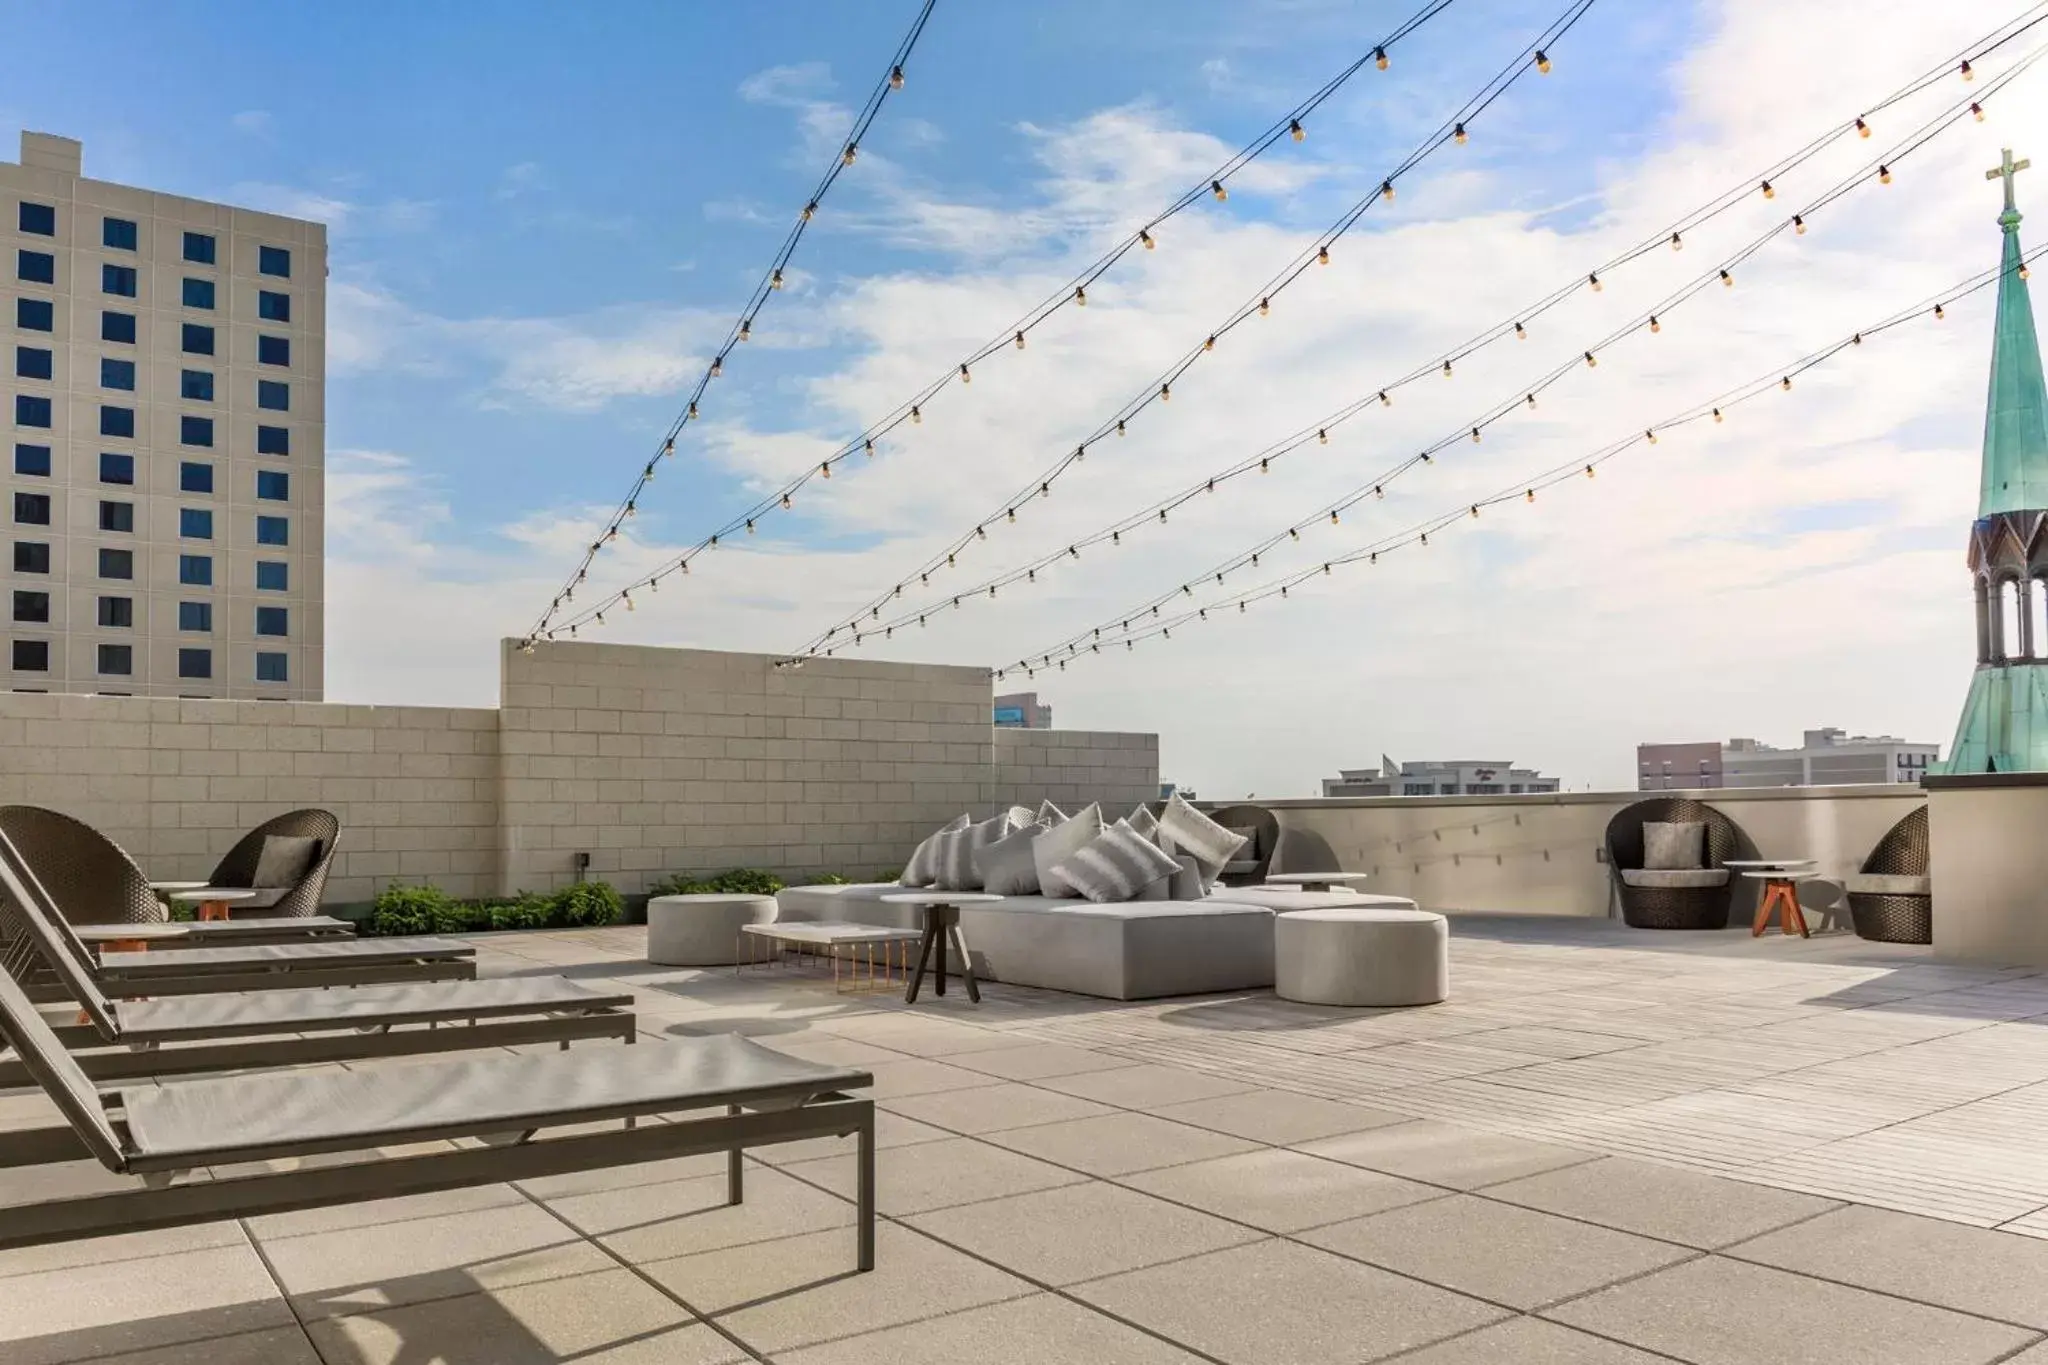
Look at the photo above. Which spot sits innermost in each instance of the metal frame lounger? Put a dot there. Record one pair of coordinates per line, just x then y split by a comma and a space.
232, 1032
178, 1137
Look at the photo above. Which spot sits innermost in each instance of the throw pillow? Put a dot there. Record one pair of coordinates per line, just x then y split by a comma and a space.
1196, 834
1020, 816
919, 872
1006, 866
1674, 847
1145, 823
1049, 814
1186, 882
953, 862
284, 860
1058, 844
1116, 865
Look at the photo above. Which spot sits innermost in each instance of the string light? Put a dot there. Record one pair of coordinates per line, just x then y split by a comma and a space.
1799, 225
717, 366
1592, 361
966, 377
1323, 256
1862, 128
1594, 280
1542, 61
1717, 415
1769, 193
1978, 111
1447, 369
868, 446
1968, 74
1521, 333
1294, 128
1786, 383
1650, 436
1884, 175
1530, 496
1458, 135
1379, 57
916, 415
1145, 240
825, 469
850, 153
1216, 188
1655, 326
1386, 189
1080, 296
746, 329
1210, 344
1532, 399
1322, 438
1165, 392
785, 502
775, 280
1677, 242
1727, 280
1385, 400
1265, 306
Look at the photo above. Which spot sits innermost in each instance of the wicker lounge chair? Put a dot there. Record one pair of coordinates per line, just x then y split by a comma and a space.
182, 1141
302, 898
1891, 898
1677, 898
232, 1032
1255, 859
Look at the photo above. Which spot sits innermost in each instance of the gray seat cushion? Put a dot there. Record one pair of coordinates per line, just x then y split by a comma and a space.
1674, 846
285, 859
1674, 878
1888, 884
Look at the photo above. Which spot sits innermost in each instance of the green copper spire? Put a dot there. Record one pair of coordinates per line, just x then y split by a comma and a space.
2016, 412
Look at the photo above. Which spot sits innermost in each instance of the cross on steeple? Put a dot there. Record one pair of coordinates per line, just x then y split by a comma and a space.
2008, 169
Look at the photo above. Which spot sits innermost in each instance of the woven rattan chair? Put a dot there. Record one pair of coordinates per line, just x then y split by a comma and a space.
238, 868
89, 876
1255, 859
1891, 898
1671, 900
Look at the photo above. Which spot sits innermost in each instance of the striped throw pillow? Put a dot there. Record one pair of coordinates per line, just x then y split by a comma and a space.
919, 872
953, 862
1196, 835
1116, 865
1006, 867
1058, 844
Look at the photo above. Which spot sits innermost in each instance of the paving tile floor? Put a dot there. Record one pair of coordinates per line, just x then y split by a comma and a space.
1607, 1149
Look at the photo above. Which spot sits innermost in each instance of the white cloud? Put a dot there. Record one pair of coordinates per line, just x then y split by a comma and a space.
1687, 592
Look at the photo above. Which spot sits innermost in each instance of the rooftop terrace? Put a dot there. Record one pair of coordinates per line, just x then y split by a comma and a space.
1609, 1147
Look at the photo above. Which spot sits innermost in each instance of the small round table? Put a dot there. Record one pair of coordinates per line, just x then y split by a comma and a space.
1781, 878
941, 926
1315, 881
213, 901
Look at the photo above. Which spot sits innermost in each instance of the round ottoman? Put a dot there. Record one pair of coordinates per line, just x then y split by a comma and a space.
1359, 955
702, 931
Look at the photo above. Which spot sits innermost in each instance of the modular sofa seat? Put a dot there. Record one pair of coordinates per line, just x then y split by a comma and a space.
1136, 950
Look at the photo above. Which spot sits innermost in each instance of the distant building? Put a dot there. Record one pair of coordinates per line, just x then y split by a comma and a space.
1826, 757
1023, 711
1452, 777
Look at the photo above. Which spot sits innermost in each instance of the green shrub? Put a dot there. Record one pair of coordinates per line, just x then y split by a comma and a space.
588, 903
530, 911
414, 910
402, 910
738, 881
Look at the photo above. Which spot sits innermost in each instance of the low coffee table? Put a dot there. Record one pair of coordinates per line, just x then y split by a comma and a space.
941, 926
831, 938
1315, 881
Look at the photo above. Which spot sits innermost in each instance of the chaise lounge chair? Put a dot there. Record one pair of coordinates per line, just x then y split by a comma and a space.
232, 1032
518, 1112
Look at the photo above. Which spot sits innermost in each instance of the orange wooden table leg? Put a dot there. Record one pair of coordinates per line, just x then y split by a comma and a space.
212, 910
1763, 910
1798, 912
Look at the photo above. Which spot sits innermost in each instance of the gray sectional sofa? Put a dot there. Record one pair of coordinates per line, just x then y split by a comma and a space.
1134, 950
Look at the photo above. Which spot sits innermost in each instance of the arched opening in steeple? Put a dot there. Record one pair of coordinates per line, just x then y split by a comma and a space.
2037, 615
2006, 623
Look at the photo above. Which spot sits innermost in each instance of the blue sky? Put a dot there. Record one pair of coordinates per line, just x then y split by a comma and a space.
540, 223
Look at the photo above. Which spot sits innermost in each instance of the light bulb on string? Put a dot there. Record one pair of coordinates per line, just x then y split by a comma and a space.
717, 366
1589, 471
849, 154
1532, 399
1216, 188
916, 415
1379, 57
775, 279
1769, 193
1786, 383
810, 210
1475, 511
1884, 175
1542, 61
1265, 306
1378, 491
1119, 426
1862, 128
1677, 242
2024, 270
1799, 225
1165, 393
1529, 496
627, 598
1080, 296
1322, 438
1447, 369
1521, 332
1295, 129
1386, 189
1594, 280
1458, 135
1475, 436
1655, 326
1717, 416
1010, 514
1650, 436
647, 474
1210, 344
1938, 313
785, 502
746, 329
1965, 71
868, 447
1263, 467
1385, 401
691, 410
1592, 360
1323, 256
966, 375
1145, 239
1727, 280
632, 508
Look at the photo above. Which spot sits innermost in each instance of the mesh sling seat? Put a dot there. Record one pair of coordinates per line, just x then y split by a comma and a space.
243, 862
1675, 898
185, 1142
1891, 898
1255, 859
231, 1032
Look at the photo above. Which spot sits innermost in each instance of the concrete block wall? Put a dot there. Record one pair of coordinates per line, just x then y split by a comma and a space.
1075, 767
176, 782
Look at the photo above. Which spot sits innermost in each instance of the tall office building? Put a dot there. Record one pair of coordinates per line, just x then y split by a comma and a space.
164, 386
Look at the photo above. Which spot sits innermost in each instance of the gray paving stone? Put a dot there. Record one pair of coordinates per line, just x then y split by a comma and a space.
1658, 1201
1973, 1270
1276, 1301
891, 1130
82, 1311
1042, 1330
1279, 1117
1080, 1232
1528, 1341
1147, 1086
1035, 1061
1280, 1191
918, 1076
676, 1217
934, 1175
1715, 1311
275, 1346
1514, 1256
993, 1106
1445, 1154
1119, 1142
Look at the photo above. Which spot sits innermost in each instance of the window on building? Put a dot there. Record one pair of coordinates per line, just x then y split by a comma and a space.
274, 350
273, 307
117, 422
117, 613
38, 219
272, 621
35, 315
35, 267
198, 293
195, 571
273, 575
274, 260
117, 279
31, 509
118, 233
195, 523
197, 340
273, 485
116, 468
33, 362
117, 327
273, 441
195, 616
117, 563
32, 607
31, 556
33, 461
273, 531
117, 661
194, 477
117, 516
31, 411
195, 663
199, 248
31, 656
273, 395
270, 667
196, 386
195, 431
117, 374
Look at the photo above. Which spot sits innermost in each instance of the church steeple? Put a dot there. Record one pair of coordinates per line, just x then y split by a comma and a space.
2015, 473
